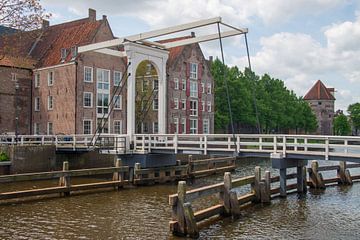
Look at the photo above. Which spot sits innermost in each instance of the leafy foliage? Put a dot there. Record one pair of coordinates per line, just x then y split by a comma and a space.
341, 125
3, 157
354, 111
279, 109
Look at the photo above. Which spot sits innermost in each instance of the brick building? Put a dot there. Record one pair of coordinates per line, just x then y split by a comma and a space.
321, 100
70, 92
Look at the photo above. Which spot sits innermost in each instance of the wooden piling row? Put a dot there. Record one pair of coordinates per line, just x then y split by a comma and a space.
185, 222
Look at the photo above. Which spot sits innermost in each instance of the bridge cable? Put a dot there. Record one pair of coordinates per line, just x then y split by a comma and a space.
253, 89
226, 85
121, 86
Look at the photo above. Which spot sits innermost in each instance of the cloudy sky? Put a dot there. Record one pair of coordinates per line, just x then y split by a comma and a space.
298, 41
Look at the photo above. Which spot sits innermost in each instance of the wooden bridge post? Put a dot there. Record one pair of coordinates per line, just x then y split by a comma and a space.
301, 179
65, 179
190, 164
283, 192
137, 168
316, 178
178, 213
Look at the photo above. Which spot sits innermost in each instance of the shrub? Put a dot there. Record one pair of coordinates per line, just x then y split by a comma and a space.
3, 157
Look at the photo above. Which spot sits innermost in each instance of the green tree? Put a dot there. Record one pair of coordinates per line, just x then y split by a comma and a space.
354, 111
341, 125
279, 109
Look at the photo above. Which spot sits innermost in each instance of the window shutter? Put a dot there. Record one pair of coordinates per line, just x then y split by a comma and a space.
180, 127
200, 71
200, 125
199, 90
187, 107
187, 87
187, 125
187, 70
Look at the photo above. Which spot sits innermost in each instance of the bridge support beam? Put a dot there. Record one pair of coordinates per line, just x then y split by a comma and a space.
279, 161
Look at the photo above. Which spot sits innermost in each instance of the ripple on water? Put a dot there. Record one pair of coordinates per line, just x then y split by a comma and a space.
143, 213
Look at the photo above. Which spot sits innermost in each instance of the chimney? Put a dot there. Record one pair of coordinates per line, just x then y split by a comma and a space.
104, 17
192, 34
332, 91
211, 58
45, 24
92, 14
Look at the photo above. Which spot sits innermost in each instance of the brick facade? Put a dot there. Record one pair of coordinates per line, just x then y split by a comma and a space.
15, 102
322, 102
52, 97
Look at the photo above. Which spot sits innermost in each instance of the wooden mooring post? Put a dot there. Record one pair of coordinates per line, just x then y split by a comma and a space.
316, 178
343, 174
65, 179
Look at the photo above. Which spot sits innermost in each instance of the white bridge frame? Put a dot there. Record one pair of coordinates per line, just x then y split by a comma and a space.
138, 48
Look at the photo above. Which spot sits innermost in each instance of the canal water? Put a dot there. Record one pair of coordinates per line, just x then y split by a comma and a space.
143, 213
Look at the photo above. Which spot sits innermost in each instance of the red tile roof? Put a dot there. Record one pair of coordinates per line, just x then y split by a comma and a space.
44, 45
319, 92
175, 51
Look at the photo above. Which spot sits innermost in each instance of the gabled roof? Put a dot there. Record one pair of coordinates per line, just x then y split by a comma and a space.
319, 92
175, 51
44, 45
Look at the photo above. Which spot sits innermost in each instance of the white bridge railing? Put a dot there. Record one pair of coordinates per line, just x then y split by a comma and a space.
226, 143
113, 142
326, 146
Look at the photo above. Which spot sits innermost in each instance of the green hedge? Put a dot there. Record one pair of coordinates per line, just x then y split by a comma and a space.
4, 157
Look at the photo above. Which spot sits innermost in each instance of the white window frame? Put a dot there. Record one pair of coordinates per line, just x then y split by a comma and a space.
91, 125
203, 106
118, 102
183, 123
100, 74
206, 126
48, 128
193, 129
153, 127
108, 124
91, 74
155, 86
176, 83
209, 106
37, 80
183, 85
36, 128
194, 89
176, 103
115, 83
145, 84
51, 78
202, 87
91, 99
50, 102
13, 77
194, 72
208, 90
37, 104
155, 102
194, 111
120, 127
183, 103
176, 123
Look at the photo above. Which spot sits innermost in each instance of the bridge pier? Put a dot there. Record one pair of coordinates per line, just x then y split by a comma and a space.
279, 161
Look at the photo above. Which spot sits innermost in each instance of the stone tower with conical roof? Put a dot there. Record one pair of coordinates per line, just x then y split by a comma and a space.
321, 100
